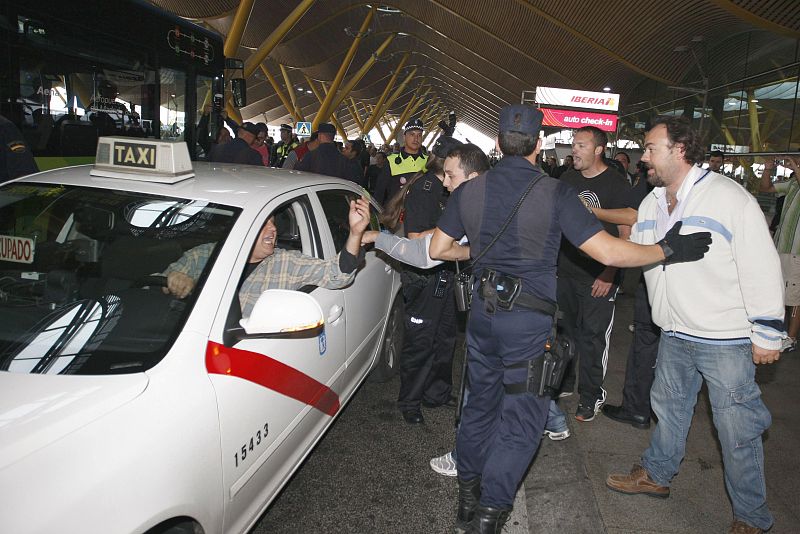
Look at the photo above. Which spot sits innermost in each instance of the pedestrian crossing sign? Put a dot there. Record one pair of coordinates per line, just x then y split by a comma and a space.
302, 129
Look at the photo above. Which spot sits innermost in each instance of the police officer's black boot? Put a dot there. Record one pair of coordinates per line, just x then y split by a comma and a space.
469, 495
488, 520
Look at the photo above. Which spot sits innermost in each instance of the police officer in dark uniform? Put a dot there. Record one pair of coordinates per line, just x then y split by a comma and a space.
326, 158
282, 148
513, 302
16, 158
402, 166
426, 362
239, 150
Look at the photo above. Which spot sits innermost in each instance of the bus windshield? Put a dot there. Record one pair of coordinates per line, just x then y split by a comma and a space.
120, 68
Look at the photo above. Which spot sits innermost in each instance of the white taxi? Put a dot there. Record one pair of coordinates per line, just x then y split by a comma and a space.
124, 409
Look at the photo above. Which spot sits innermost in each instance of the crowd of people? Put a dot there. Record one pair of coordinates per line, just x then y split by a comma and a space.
709, 305
250, 144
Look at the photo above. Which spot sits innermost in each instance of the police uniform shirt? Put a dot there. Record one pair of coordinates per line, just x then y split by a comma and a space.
16, 158
424, 204
236, 151
529, 247
607, 190
387, 185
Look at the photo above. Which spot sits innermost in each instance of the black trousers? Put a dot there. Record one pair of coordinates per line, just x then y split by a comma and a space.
588, 321
640, 369
426, 363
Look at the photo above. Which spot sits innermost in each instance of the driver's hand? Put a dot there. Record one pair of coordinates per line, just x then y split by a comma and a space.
178, 284
359, 216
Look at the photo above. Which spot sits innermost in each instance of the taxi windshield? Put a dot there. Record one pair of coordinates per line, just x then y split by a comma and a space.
81, 285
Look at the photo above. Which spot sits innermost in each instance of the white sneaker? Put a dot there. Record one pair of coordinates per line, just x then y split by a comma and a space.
789, 344
557, 436
445, 465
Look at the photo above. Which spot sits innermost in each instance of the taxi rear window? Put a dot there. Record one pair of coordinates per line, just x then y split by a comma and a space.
80, 275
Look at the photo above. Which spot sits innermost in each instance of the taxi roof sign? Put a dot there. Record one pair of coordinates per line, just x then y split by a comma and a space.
145, 160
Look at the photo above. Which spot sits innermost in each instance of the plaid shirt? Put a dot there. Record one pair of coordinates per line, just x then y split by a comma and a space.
284, 269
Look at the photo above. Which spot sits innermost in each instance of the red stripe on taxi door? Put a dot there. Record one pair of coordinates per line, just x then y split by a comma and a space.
272, 374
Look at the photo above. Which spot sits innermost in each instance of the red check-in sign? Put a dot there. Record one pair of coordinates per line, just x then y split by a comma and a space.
577, 119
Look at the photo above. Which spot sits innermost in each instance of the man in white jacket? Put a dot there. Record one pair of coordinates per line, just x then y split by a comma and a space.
719, 317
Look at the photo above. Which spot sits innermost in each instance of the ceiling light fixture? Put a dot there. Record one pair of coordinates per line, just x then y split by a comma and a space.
607, 89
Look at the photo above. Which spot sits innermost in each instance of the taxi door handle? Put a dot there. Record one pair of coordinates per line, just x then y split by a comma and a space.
334, 314
388, 268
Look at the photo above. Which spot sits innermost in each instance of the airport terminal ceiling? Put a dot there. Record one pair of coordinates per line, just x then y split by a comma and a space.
475, 57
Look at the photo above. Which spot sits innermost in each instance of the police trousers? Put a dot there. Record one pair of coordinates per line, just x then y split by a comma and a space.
499, 432
641, 366
426, 362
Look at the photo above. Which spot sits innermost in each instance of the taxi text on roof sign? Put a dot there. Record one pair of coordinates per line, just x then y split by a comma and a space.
146, 160
135, 155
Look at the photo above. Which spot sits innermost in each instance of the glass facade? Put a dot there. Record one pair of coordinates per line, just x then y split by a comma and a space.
742, 95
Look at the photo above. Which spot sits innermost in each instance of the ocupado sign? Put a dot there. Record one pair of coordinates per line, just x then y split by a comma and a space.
16, 249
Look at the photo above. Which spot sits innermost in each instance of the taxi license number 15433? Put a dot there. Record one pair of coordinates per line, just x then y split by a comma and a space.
255, 440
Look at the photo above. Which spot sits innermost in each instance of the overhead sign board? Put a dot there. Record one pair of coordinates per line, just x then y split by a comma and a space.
563, 118
554, 96
302, 129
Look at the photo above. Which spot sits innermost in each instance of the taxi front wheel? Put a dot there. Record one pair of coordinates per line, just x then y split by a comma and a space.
179, 525
389, 355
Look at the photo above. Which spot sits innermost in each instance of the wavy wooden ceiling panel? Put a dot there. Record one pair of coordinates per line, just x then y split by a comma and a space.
480, 56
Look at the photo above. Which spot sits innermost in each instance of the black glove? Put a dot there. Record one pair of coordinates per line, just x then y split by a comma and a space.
681, 248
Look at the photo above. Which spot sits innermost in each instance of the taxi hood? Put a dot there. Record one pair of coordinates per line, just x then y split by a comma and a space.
37, 410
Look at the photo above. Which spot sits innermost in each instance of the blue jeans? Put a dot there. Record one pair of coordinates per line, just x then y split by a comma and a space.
740, 418
556, 419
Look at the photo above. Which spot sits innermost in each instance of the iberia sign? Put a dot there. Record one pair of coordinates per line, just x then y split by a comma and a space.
16, 249
562, 118
554, 96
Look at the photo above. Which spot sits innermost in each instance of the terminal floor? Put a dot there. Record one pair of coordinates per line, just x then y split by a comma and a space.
370, 472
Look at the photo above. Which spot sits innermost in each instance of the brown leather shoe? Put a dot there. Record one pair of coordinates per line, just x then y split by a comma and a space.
638, 481
740, 527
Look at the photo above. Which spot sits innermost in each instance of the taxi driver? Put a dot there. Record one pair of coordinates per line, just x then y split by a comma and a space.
274, 268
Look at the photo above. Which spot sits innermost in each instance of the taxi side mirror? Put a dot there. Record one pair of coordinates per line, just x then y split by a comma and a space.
284, 313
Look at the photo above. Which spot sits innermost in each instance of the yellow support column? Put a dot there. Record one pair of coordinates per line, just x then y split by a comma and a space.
321, 99
432, 129
332, 117
233, 113
344, 92
755, 130
275, 37
412, 105
371, 110
356, 118
397, 92
235, 32
290, 90
277, 89
327, 105
356, 115
372, 120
